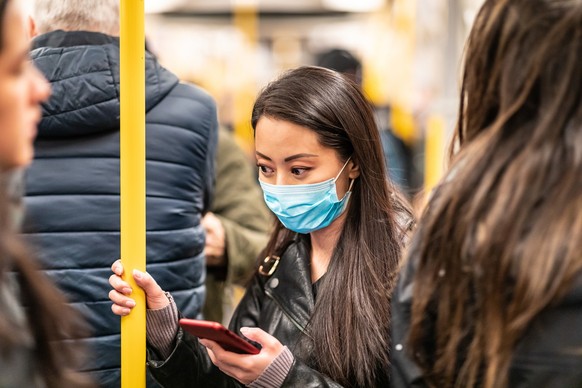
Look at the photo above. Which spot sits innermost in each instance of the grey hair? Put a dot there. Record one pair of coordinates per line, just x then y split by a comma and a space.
77, 15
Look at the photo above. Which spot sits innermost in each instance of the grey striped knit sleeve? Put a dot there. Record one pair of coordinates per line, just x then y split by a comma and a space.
162, 328
274, 375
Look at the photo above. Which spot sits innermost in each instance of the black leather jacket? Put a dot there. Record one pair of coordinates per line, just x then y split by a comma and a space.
281, 305
548, 356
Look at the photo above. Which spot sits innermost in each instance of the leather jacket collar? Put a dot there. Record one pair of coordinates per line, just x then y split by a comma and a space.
296, 299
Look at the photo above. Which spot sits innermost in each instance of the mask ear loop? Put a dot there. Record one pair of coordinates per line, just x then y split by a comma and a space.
349, 189
351, 180
351, 185
342, 170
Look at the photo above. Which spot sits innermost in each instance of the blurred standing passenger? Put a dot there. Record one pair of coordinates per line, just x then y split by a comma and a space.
32, 311
236, 227
397, 155
320, 302
73, 183
492, 293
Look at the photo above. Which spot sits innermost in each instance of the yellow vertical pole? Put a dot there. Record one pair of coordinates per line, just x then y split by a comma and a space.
434, 157
133, 206
246, 20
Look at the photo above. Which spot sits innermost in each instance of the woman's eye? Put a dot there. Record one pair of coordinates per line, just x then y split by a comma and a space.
298, 170
265, 170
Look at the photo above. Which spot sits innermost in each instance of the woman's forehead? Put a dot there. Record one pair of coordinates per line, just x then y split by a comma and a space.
284, 133
281, 139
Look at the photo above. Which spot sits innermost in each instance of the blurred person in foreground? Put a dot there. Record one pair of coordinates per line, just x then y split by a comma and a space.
491, 295
33, 313
237, 228
72, 187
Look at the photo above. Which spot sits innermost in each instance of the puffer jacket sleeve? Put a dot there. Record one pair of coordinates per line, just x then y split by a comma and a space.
210, 176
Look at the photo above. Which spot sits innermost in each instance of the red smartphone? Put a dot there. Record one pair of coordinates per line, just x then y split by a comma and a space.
216, 332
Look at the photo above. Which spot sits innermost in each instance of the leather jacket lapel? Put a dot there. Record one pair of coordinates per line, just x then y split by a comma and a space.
290, 285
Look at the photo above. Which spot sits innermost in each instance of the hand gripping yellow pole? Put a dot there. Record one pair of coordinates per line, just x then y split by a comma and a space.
133, 205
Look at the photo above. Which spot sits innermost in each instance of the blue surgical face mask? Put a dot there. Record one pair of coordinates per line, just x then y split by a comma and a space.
306, 208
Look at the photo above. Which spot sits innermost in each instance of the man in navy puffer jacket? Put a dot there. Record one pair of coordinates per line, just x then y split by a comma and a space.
72, 188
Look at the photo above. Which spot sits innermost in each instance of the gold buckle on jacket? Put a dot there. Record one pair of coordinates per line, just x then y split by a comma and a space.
269, 265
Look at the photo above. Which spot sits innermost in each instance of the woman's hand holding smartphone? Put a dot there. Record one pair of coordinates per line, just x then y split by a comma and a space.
243, 361
214, 331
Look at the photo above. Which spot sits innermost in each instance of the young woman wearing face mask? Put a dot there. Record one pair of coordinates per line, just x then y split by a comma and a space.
27, 357
319, 303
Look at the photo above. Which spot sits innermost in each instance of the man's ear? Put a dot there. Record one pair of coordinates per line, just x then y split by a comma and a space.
354, 169
32, 32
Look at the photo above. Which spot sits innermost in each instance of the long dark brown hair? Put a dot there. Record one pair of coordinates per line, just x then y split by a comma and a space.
48, 318
349, 327
502, 239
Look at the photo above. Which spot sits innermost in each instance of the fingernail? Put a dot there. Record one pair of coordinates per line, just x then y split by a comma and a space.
126, 311
130, 303
138, 274
127, 291
245, 330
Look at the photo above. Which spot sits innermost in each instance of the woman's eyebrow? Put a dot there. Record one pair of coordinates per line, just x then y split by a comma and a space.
289, 158
263, 156
293, 157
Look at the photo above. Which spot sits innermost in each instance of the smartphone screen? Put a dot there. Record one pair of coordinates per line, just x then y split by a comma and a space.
214, 331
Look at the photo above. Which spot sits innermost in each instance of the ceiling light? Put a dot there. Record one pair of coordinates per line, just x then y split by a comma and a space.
159, 6
354, 5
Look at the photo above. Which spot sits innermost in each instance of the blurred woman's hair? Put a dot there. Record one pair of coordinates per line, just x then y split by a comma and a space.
349, 327
77, 15
502, 239
48, 318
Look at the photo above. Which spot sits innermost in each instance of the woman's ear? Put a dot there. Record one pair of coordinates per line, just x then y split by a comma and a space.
354, 169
